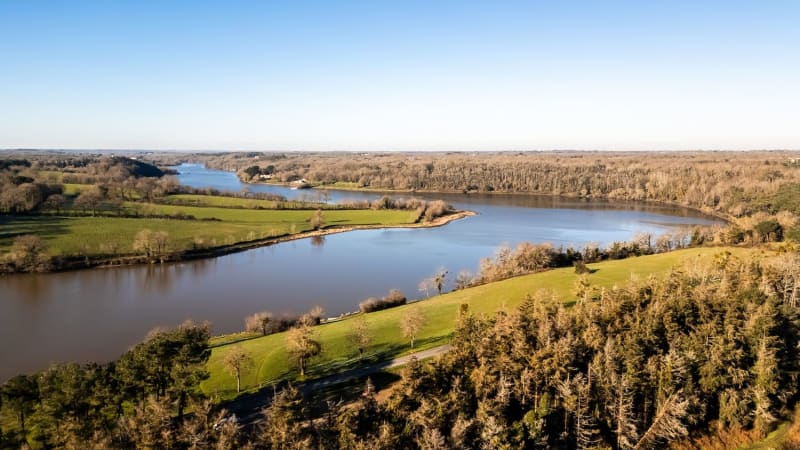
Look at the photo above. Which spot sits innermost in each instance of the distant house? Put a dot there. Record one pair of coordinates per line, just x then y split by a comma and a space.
302, 183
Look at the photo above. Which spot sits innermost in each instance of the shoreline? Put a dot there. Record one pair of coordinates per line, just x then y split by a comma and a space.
84, 262
728, 219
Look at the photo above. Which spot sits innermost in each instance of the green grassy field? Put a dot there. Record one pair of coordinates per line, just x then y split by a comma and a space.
218, 201
270, 357
50, 176
333, 217
95, 235
75, 189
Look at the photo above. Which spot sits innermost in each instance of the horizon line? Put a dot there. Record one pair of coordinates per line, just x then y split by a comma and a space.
554, 150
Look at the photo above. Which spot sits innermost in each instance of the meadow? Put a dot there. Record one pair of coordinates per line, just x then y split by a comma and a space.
192, 226
271, 362
218, 201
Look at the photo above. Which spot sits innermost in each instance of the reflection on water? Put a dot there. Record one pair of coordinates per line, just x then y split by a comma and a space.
198, 176
27, 288
156, 278
97, 314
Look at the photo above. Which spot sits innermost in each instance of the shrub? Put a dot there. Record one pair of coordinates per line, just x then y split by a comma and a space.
393, 299
29, 254
580, 267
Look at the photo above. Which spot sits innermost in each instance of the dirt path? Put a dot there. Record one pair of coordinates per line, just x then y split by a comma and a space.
332, 380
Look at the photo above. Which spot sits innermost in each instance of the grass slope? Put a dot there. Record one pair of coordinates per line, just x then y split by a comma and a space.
270, 355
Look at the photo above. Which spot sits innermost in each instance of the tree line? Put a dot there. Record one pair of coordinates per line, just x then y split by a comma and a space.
736, 184
30, 186
76, 406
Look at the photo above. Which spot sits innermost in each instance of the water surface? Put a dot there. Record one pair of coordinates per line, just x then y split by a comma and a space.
97, 314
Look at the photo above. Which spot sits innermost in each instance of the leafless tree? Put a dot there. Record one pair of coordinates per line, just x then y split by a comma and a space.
259, 321
412, 323
29, 253
464, 279
317, 220
55, 201
89, 199
316, 314
236, 361
439, 279
360, 336
151, 243
302, 345
426, 285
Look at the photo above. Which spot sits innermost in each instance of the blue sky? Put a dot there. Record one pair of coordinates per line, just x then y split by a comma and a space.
405, 75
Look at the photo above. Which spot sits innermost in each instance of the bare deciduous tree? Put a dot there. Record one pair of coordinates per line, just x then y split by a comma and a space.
464, 279
426, 285
236, 361
151, 243
315, 314
412, 323
317, 220
89, 199
439, 279
259, 321
56, 202
301, 345
360, 335
29, 253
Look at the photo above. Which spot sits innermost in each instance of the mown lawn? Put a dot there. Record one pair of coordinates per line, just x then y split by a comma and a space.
66, 235
271, 361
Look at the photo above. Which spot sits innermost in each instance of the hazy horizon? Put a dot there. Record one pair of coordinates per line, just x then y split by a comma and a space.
409, 76
555, 150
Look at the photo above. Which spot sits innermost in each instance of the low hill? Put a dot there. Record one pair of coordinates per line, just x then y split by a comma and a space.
137, 168
558, 285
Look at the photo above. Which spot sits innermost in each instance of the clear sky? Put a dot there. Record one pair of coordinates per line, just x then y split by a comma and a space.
400, 75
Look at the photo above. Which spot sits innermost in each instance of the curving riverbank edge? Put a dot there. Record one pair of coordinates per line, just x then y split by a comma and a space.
721, 215
78, 263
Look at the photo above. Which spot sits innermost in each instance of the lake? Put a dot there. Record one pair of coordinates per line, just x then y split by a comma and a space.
97, 314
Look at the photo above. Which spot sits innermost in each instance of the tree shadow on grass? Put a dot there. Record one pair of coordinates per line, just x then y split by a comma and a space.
42, 226
380, 360
330, 379
350, 389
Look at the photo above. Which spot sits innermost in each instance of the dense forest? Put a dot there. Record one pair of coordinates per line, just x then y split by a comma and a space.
34, 183
731, 183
